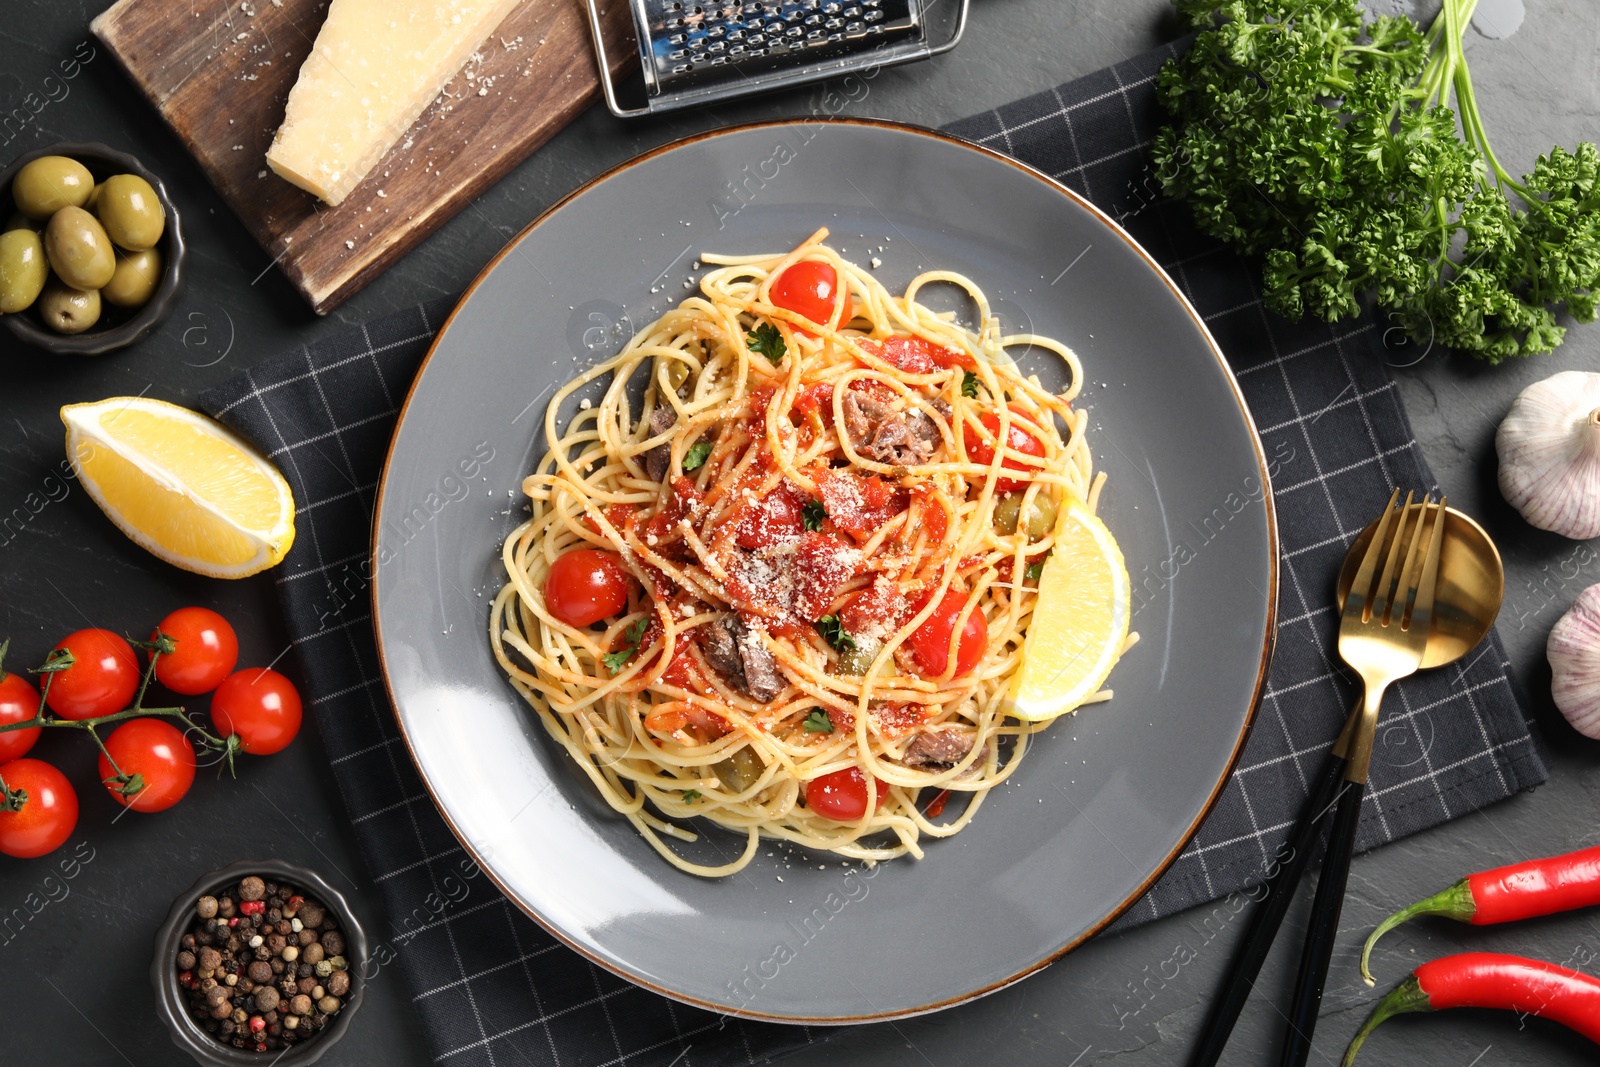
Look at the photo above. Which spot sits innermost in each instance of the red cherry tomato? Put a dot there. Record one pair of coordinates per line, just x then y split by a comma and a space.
102, 679
46, 820
585, 586
776, 518
207, 649
842, 795
261, 706
158, 752
1018, 439
930, 642
807, 288
916, 355
19, 702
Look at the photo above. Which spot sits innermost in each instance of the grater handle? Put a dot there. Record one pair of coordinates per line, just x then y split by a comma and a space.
955, 34
606, 84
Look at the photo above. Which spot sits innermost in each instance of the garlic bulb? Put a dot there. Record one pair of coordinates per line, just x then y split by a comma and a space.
1574, 654
1549, 448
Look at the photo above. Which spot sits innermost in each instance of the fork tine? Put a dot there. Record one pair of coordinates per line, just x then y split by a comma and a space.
1360, 595
1384, 592
1422, 607
1406, 588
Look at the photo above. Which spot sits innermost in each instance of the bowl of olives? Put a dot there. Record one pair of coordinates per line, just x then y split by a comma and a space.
91, 254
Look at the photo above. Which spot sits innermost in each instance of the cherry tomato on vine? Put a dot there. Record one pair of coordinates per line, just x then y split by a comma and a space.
842, 795
158, 752
19, 702
807, 288
205, 653
46, 819
261, 706
1018, 439
585, 586
930, 642
102, 679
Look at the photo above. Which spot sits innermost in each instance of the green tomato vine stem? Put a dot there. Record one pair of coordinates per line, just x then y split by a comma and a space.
127, 785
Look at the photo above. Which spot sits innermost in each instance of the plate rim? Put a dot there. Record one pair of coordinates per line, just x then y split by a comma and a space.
1269, 640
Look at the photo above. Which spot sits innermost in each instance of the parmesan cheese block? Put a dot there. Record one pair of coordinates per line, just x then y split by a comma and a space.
374, 68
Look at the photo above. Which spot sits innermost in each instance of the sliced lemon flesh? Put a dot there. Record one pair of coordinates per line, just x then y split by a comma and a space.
182, 486
1080, 620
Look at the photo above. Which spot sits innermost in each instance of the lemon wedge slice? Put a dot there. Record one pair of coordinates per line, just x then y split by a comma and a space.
1080, 621
182, 486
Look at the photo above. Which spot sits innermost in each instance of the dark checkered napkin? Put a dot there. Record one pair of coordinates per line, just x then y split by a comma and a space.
490, 986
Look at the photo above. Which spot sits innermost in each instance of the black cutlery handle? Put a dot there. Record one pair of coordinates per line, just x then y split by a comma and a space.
1324, 928
1268, 916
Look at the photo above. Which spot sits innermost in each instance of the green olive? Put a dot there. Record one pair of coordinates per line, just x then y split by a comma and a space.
94, 198
79, 250
739, 771
135, 279
49, 184
131, 213
68, 310
857, 659
1041, 515
23, 270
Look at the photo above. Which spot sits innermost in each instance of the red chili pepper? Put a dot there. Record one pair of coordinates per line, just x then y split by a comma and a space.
1507, 894
1492, 980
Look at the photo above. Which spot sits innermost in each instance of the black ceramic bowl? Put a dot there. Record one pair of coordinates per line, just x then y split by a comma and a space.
117, 327
172, 1002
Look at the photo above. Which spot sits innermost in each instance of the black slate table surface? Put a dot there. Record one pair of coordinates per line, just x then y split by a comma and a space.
73, 970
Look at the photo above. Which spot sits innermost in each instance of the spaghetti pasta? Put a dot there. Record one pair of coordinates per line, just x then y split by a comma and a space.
812, 516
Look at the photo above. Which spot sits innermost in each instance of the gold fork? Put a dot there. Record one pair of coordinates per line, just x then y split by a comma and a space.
1382, 635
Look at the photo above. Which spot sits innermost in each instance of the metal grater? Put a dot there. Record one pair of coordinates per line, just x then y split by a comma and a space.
698, 52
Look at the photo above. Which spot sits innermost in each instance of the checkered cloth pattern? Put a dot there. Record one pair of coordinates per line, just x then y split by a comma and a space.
490, 986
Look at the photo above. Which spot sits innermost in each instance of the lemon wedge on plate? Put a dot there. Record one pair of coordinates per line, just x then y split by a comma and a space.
182, 486
1080, 620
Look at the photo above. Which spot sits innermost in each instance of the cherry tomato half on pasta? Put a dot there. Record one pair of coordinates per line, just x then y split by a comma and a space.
206, 649
261, 706
807, 288
586, 585
102, 679
930, 642
19, 702
158, 753
46, 819
1018, 439
842, 795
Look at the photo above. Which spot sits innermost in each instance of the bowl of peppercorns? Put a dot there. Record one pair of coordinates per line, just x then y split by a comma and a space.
259, 959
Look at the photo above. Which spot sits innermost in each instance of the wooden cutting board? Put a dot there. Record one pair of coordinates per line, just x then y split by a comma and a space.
219, 72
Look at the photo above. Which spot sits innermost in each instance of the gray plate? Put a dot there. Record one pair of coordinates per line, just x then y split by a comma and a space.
1105, 801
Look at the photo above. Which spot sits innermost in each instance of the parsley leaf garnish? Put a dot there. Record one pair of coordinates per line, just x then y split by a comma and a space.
832, 631
691, 795
969, 383
765, 340
632, 636
812, 514
1035, 569
818, 722
696, 456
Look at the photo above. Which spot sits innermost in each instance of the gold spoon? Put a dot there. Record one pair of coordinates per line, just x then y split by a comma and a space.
1472, 583
1469, 588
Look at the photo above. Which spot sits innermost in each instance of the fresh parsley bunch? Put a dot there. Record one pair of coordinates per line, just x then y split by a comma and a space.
1327, 145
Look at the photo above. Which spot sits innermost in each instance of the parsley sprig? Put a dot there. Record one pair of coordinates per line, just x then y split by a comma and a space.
696, 456
812, 514
818, 722
833, 632
969, 383
765, 340
1352, 156
631, 637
